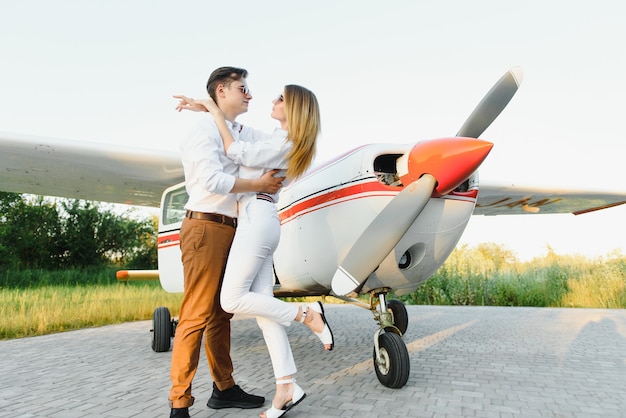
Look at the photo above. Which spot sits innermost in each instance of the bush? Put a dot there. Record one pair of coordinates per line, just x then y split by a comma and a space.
476, 277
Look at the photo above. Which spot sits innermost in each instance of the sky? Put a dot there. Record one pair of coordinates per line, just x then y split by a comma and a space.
386, 72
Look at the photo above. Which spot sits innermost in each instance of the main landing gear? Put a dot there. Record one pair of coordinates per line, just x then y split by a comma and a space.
391, 357
163, 329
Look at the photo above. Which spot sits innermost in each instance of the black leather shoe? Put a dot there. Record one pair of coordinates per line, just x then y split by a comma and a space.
234, 397
179, 413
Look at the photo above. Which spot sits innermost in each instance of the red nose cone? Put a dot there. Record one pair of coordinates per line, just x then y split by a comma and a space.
450, 160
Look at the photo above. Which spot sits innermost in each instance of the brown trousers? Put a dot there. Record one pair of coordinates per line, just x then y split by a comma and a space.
204, 246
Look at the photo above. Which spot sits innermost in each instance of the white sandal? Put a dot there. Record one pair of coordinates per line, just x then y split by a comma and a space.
326, 336
296, 398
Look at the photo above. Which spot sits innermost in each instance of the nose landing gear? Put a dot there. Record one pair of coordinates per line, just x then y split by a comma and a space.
390, 355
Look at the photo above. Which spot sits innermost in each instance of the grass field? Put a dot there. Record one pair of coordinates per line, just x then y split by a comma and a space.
49, 309
486, 275
36, 303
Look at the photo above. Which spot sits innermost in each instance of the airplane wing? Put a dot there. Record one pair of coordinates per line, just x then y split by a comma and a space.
86, 170
137, 176
512, 199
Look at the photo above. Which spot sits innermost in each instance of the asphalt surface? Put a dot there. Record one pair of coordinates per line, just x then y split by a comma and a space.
465, 362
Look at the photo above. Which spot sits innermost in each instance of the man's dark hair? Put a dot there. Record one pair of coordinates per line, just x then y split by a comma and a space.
224, 75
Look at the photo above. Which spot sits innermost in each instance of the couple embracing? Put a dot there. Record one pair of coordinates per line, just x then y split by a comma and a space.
233, 174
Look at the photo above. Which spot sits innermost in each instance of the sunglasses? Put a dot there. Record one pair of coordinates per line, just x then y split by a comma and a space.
244, 89
279, 98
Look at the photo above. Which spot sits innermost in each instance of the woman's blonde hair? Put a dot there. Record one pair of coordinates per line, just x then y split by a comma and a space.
303, 117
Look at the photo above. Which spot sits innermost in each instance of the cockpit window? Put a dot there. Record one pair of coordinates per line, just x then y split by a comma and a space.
174, 206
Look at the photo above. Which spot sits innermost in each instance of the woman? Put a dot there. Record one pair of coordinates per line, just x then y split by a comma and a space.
248, 279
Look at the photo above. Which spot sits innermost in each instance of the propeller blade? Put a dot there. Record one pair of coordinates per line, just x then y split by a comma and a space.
492, 104
382, 234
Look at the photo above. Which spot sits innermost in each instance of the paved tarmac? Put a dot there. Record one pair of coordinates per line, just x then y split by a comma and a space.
465, 362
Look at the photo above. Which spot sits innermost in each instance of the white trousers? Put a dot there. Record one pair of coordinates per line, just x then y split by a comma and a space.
249, 280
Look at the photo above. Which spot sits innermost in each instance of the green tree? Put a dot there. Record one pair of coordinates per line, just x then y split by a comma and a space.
94, 235
29, 231
145, 254
44, 233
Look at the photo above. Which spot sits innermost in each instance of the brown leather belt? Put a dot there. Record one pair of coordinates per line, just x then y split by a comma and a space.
213, 217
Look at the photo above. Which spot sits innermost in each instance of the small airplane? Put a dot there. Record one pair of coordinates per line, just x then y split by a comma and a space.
379, 219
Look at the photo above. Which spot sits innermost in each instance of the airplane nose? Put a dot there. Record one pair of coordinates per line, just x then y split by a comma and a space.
450, 160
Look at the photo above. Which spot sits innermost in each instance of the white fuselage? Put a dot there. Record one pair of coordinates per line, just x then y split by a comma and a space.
324, 213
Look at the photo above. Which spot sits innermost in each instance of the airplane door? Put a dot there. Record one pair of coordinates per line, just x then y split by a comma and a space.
170, 220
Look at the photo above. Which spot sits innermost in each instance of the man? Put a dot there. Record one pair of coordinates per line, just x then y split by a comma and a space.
205, 238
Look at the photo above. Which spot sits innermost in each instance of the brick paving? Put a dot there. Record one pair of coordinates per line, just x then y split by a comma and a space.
465, 362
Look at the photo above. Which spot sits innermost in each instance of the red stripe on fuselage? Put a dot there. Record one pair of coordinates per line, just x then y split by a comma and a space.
168, 240
351, 192
332, 197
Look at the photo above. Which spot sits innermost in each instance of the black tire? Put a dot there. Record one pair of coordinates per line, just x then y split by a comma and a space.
400, 315
394, 367
161, 329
